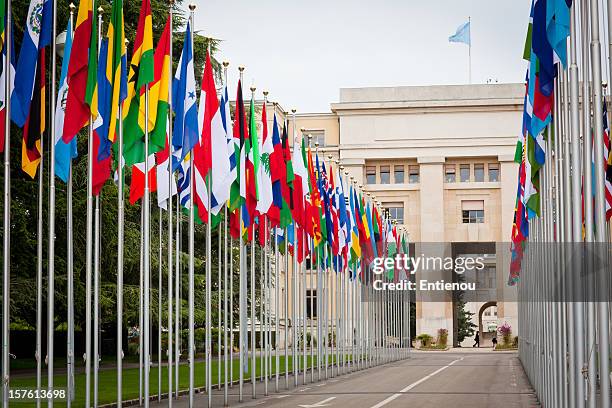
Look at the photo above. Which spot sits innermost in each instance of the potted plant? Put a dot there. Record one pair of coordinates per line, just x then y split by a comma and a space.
505, 331
442, 337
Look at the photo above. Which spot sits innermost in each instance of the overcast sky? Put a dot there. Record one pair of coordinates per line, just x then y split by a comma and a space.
302, 52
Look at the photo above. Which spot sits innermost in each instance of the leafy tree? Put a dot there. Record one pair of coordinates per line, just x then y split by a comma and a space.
464, 327
24, 214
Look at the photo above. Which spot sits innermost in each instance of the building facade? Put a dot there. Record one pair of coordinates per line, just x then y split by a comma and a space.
441, 159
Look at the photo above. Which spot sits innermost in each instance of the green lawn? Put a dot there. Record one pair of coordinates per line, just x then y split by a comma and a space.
107, 385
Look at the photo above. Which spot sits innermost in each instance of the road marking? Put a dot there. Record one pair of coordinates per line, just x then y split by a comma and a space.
319, 404
414, 384
281, 396
304, 389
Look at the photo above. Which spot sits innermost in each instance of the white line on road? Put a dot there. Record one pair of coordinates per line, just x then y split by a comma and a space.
414, 384
319, 404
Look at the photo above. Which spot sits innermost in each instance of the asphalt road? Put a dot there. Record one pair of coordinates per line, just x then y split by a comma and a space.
434, 379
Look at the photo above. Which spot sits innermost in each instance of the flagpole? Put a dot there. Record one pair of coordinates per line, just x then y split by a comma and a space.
39, 272
70, 276
159, 310
600, 203
294, 293
225, 282
264, 287
120, 249
191, 294
208, 288
96, 304
253, 308
51, 209
276, 307
470, 51
146, 253
170, 226
219, 303
6, 236
178, 323
241, 282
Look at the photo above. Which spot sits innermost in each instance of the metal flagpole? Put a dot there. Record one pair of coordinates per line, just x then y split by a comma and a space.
146, 255
276, 308
120, 249
253, 307
96, 304
6, 236
600, 204
178, 321
286, 309
51, 243
208, 288
170, 227
39, 273
241, 285
159, 311
266, 312
231, 310
140, 312
225, 292
219, 303
294, 293
191, 294
225, 283
304, 306
70, 277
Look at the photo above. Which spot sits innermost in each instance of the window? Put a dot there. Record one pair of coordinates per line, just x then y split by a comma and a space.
396, 211
311, 303
398, 172
370, 174
413, 176
449, 173
479, 173
464, 173
493, 172
385, 174
472, 211
318, 136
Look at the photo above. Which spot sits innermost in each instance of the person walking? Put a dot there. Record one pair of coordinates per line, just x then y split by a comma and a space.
477, 340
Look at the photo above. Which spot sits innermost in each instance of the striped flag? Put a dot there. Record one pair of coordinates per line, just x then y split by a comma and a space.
64, 152
35, 124
3, 87
82, 71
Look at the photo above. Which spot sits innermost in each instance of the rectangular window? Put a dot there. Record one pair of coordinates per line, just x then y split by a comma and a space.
396, 211
493, 172
464, 173
472, 211
479, 173
318, 136
413, 175
385, 174
449, 173
398, 172
370, 174
311, 304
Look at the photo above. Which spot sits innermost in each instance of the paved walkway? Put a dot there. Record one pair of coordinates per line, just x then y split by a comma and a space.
428, 379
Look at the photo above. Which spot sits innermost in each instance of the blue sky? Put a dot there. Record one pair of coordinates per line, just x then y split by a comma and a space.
302, 52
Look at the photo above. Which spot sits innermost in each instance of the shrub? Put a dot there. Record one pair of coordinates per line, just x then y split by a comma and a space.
442, 337
505, 330
425, 339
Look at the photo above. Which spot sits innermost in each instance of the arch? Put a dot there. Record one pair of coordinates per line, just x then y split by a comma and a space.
484, 307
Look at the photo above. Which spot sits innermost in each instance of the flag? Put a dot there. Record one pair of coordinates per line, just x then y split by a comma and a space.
35, 124
277, 175
164, 191
141, 73
542, 47
82, 71
264, 176
103, 90
606, 158
137, 186
3, 88
116, 74
251, 153
238, 188
300, 182
64, 152
185, 127
462, 35
184, 182
159, 91
391, 249
231, 142
558, 27
37, 35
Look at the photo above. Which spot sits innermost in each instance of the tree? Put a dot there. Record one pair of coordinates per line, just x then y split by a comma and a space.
464, 327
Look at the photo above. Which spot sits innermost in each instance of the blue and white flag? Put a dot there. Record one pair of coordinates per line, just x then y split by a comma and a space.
232, 142
36, 36
186, 133
462, 35
64, 152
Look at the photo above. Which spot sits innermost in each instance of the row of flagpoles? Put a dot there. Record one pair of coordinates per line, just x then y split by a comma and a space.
259, 193
564, 155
